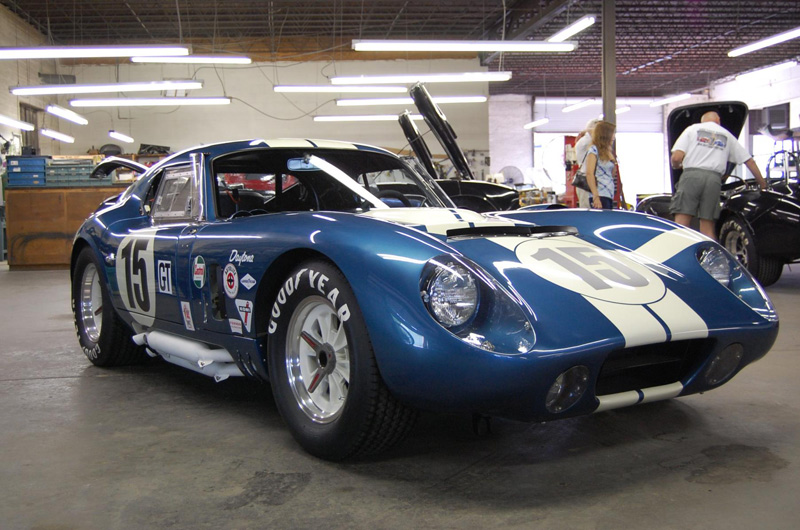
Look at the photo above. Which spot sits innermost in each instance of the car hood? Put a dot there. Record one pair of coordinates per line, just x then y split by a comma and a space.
732, 114
622, 277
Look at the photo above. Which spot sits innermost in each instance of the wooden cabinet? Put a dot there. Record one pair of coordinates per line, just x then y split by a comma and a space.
41, 223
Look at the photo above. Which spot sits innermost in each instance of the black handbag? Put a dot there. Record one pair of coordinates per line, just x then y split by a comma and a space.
579, 180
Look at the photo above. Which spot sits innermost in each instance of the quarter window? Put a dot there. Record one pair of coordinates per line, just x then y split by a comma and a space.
174, 198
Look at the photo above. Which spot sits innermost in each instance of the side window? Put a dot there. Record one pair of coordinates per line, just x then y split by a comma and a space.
174, 199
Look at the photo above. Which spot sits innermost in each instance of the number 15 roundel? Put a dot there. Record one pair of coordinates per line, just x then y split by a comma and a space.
591, 271
136, 277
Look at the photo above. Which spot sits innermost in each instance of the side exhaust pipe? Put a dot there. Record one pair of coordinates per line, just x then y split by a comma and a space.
194, 355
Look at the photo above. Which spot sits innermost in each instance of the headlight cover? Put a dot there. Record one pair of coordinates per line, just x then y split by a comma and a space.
467, 302
724, 268
716, 263
452, 294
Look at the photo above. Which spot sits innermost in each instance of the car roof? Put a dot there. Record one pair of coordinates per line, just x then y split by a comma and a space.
220, 148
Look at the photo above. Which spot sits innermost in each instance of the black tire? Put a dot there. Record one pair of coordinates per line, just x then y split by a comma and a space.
738, 239
323, 371
106, 341
769, 270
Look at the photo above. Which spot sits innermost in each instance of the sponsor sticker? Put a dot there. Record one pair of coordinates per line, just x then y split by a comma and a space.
248, 282
236, 325
199, 272
245, 308
239, 258
186, 310
231, 280
165, 277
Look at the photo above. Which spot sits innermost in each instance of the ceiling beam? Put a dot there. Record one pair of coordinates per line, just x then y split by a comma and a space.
525, 29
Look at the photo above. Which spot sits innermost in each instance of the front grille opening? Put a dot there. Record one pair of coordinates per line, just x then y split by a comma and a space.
650, 365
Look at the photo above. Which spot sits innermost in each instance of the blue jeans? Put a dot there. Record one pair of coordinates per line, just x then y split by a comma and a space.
606, 202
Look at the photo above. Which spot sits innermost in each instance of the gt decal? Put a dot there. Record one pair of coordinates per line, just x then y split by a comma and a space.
136, 277
165, 277
588, 270
317, 281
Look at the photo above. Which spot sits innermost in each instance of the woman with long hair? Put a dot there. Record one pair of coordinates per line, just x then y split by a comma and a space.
600, 164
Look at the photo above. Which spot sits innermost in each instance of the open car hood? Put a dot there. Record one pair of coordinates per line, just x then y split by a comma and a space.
732, 116
438, 123
416, 142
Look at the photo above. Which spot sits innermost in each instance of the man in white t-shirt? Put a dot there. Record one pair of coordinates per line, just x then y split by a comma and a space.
703, 150
582, 144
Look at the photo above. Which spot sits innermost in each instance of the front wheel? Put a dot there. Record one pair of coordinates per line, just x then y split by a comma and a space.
323, 371
104, 337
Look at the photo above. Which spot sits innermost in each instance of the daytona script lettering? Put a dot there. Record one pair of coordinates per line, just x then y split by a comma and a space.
237, 258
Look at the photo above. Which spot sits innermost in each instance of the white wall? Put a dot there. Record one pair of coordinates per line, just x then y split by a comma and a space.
765, 91
16, 33
509, 143
258, 112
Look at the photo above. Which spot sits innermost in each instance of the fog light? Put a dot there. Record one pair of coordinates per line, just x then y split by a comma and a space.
723, 364
567, 389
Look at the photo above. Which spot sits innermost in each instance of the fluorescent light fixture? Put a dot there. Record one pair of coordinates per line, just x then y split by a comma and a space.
121, 137
373, 117
536, 123
763, 43
147, 102
458, 77
619, 110
194, 59
764, 73
408, 101
670, 99
82, 52
580, 105
58, 136
361, 45
145, 86
11, 122
574, 28
341, 89
67, 114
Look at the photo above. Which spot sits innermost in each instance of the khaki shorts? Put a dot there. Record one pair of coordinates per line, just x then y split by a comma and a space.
698, 194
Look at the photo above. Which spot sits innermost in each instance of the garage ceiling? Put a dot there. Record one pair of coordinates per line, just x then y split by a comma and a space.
662, 46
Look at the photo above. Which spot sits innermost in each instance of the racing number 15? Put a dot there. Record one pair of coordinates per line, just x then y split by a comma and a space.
135, 268
592, 267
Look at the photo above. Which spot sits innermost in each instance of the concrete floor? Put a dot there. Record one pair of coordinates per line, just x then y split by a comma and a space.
155, 446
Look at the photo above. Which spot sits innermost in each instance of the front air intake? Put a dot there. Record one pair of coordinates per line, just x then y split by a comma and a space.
651, 365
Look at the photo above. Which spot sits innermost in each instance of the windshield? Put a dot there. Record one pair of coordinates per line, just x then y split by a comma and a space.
260, 181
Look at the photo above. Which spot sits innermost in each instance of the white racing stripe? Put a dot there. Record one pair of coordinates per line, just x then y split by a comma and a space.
669, 243
681, 319
435, 220
636, 324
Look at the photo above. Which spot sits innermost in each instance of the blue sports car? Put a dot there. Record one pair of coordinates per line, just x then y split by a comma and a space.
352, 284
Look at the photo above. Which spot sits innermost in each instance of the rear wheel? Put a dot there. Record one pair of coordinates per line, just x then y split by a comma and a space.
104, 337
323, 371
738, 239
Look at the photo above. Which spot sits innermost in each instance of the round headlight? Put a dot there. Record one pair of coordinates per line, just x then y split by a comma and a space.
716, 263
452, 294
